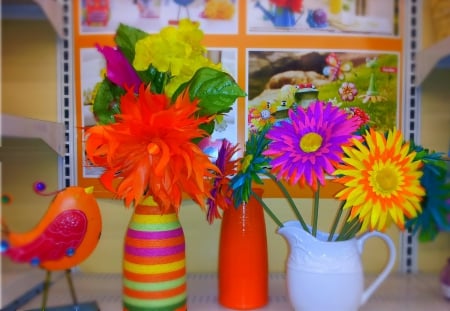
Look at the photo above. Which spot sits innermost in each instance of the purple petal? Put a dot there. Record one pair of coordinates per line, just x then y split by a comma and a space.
118, 69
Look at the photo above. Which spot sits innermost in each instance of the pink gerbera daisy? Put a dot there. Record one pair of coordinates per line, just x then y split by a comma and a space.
309, 144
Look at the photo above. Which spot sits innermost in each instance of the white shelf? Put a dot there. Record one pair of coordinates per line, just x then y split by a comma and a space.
51, 133
400, 292
437, 55
36, 9
53, 9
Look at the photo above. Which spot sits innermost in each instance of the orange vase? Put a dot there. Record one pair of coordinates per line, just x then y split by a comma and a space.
243, 263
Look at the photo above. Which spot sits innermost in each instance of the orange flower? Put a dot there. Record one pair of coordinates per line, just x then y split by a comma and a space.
150, 150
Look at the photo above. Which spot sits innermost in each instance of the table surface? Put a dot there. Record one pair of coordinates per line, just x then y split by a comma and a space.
412, 292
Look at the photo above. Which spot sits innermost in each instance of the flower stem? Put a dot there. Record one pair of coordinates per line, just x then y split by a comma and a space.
289, 199
336, 220
316, 211
346, 224
350, 229
267, 210
354, 230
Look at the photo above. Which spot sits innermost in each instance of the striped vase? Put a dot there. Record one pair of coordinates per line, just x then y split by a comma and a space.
154, 266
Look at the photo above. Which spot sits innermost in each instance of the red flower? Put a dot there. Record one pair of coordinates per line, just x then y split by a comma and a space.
294, 5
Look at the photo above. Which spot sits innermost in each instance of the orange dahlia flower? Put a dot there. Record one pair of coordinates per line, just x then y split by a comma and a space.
150, 150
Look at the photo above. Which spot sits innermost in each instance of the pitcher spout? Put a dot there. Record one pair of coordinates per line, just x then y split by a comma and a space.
292, 231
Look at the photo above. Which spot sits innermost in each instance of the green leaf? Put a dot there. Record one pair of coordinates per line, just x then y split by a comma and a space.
106, 102
216, 90
208, 127
126, 38
428, 234
157, 80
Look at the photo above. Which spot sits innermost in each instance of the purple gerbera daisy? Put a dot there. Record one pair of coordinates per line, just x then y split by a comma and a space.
309, 144
221, 193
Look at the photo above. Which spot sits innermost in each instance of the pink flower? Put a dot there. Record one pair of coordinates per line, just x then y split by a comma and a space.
118, 68
348, 91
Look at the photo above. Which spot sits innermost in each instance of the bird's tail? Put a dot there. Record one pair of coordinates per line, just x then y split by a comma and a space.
4, 228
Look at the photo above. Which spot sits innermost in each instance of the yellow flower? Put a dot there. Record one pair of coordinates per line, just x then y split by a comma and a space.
381, 179
177, 50
164, 53
219, 9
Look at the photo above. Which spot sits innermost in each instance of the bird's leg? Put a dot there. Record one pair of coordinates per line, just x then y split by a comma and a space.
46, 287
71, 287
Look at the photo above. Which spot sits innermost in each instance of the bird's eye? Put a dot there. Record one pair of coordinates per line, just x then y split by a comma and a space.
70, 251
35, 261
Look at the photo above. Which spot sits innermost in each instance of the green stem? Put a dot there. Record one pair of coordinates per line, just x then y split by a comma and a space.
336, 221
267, 210
289, 199
353, 231
316, 211
349, 229
346, 225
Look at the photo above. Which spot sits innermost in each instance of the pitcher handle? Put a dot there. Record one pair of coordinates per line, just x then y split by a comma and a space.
387, 269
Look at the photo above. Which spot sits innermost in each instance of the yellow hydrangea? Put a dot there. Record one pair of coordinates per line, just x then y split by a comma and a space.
174, 49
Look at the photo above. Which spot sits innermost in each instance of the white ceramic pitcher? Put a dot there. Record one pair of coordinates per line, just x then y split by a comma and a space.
323, 275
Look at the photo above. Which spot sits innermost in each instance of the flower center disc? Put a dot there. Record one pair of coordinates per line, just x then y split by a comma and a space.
310, 142
386, 179
153, 148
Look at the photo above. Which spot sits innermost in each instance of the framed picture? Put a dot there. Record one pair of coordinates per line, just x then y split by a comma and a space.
323, 17
104, 16
353, 60
281, 79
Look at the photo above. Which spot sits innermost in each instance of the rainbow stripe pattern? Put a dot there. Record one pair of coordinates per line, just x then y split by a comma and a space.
154, 263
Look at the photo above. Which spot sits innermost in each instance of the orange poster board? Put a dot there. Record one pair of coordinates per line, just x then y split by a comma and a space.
324, 43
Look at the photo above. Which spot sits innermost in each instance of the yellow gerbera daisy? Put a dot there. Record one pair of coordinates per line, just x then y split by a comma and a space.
381, 179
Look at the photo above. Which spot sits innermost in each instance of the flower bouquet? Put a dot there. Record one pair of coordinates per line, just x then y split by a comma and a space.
159, 99
384, 179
